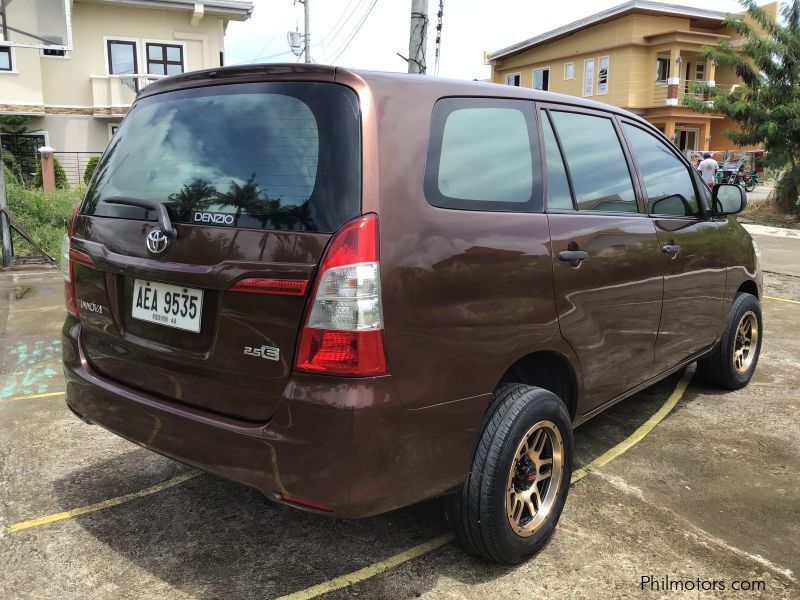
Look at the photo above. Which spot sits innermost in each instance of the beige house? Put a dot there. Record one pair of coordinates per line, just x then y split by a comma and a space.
641, 56
80, 96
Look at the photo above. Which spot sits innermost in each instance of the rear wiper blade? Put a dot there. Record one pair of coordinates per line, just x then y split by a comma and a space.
165, 225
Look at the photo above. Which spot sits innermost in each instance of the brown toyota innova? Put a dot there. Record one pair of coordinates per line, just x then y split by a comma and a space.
355, 291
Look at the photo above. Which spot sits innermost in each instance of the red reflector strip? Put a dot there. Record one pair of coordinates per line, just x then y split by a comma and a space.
303, 502
81, 258
280, 287
341, 352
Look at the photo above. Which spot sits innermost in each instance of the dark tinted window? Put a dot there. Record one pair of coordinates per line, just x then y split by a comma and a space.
597, 166
558, 194
668, 183
480, 155
273, 155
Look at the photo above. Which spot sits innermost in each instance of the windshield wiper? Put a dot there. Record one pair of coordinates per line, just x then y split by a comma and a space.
165, 225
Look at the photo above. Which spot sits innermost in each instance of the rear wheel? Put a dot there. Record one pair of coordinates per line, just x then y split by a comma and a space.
508, 508
732, 363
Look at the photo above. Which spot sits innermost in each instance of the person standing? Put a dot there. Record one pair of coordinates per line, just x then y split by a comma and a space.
708, 169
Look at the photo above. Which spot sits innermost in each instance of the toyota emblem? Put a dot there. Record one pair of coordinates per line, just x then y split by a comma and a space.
157, 241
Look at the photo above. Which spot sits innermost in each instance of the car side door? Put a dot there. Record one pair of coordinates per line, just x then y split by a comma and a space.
692, 255
606, 254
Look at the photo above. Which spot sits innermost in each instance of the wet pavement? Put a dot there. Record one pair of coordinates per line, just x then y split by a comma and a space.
712, 493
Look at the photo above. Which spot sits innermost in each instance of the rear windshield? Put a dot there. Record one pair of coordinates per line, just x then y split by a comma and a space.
256, 155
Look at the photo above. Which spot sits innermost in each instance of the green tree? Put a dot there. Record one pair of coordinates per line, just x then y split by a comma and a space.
766, 107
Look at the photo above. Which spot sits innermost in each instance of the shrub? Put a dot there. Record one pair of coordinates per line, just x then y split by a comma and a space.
44, 216
61, 175
785, 193
90, 167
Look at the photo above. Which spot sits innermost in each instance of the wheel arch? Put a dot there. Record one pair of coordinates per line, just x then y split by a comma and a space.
550, 370
748, 286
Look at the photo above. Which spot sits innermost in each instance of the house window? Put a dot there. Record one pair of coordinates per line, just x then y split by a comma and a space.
700, 71
602, 75
513, 79
588, 77
5, 59
662, 69
569, 70
122, 61
541, 79
164, 59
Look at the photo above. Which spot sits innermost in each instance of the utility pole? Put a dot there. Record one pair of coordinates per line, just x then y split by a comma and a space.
418, 36
307, 31
5, 226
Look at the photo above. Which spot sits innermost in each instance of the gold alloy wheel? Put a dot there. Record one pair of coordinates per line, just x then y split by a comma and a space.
534, 478
746, 342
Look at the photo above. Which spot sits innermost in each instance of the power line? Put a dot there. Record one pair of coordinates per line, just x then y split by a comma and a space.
337, 45
340, 22
355, 33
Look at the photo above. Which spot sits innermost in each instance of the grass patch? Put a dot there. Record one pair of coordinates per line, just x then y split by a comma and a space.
765, 213
44, 216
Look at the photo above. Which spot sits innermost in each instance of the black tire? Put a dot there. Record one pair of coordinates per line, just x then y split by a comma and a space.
751, 185
477, 511
719, 368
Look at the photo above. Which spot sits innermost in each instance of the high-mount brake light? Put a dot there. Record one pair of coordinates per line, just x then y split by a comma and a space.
69, 256
343, 330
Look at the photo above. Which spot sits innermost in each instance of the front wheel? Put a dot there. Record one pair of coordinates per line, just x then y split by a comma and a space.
508, 508
732, 363
751, 185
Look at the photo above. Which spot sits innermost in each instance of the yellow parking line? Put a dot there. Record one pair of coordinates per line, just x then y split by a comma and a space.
19, 310
82, 510
781, 299
640, 433
32, 396
379, 567
376, 568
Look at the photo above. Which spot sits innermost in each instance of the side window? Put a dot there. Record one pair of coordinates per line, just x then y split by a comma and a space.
558, 194
667, 181
597, 166
480, 155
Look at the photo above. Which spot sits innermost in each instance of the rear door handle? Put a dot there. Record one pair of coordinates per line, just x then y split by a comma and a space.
670, 249
573, 255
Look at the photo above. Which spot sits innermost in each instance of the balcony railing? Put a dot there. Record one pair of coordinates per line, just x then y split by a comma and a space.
113, 94
670, 91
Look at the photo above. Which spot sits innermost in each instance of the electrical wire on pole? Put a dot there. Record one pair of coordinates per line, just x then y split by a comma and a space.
438, 38
418, 37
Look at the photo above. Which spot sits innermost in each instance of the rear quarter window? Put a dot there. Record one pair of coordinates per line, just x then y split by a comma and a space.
483, 155
258, 155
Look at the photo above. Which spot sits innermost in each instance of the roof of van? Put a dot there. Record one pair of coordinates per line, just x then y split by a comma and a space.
316, 72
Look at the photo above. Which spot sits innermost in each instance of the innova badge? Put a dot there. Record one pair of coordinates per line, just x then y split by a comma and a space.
157, 241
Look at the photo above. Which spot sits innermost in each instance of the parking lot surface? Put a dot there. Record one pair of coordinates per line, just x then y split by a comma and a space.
706, 490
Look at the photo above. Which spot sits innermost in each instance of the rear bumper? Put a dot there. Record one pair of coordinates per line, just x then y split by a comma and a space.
342, 443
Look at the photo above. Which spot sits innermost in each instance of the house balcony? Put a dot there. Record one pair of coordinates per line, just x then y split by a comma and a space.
670, 91
112, 95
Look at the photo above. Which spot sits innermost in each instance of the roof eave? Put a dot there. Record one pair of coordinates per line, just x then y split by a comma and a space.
603, 15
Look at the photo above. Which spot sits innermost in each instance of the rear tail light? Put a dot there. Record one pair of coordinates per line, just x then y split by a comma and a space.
343, 331
69, 256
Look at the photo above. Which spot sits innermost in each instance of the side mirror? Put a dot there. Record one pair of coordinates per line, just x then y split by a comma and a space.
728, 199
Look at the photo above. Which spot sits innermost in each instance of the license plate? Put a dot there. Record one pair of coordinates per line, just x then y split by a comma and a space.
166, 304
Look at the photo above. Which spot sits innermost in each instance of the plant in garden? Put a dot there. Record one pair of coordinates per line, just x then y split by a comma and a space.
91, 165
766, 107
